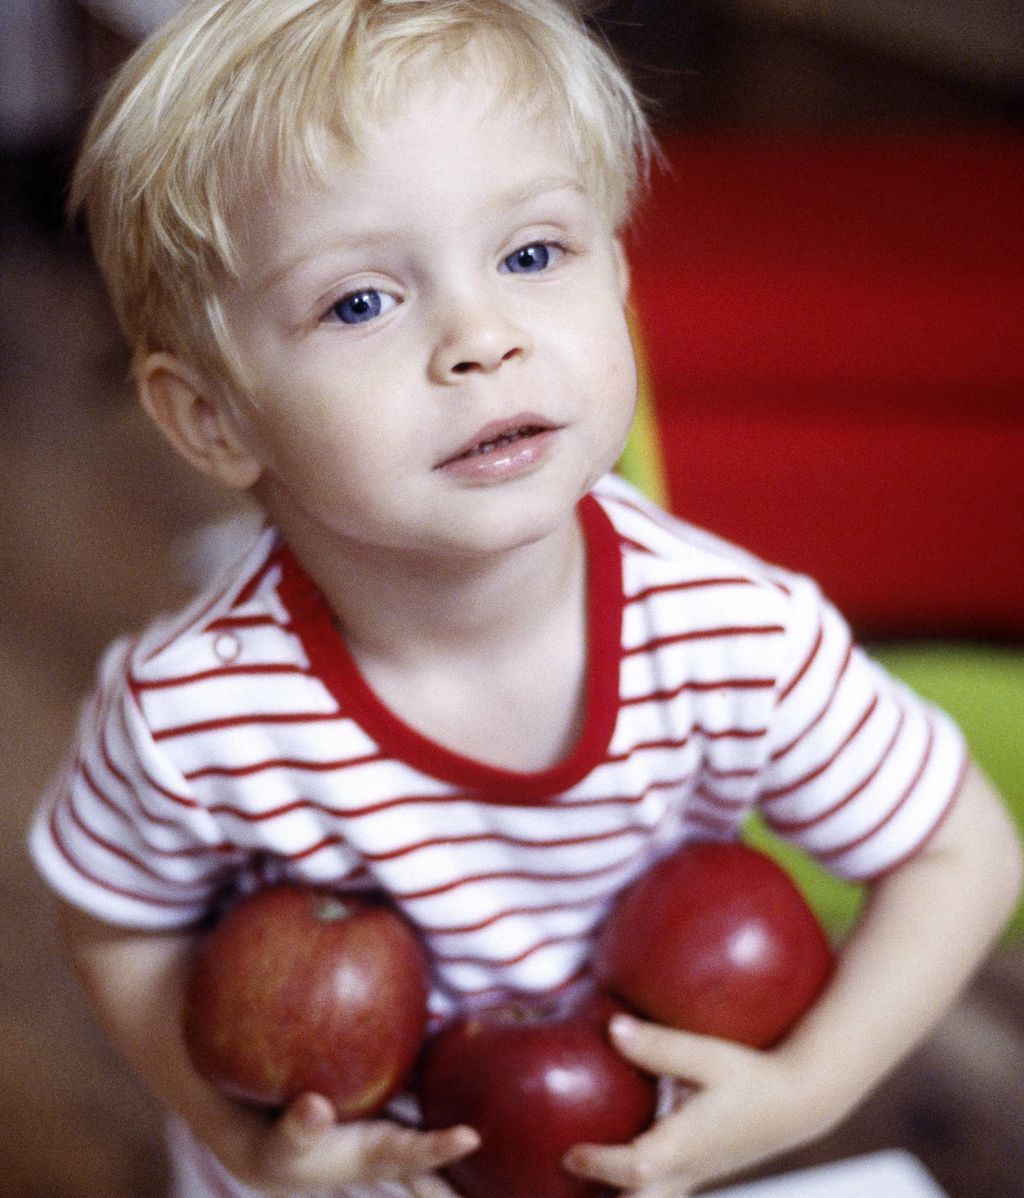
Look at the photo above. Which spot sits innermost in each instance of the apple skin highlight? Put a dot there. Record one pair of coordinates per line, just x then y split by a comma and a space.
297, 990
715, 939
533, 1077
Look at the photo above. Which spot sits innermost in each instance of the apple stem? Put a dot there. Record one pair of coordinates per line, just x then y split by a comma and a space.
332, 909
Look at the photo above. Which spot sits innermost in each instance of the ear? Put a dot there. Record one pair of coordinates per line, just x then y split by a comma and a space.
197, 420
621, 269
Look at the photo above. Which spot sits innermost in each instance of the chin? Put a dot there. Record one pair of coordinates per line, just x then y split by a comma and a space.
524, 521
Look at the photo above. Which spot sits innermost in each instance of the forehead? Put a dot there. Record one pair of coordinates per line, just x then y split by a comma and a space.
450, 145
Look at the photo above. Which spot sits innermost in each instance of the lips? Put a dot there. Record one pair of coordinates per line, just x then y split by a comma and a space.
498, 436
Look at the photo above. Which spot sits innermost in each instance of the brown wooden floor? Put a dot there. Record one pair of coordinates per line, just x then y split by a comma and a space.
92, 517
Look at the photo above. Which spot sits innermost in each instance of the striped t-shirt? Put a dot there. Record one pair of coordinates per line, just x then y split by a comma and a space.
239, 738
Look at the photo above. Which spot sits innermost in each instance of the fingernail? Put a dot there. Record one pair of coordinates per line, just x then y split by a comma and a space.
623, 1027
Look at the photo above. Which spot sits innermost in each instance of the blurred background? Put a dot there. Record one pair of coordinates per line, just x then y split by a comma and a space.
828, 285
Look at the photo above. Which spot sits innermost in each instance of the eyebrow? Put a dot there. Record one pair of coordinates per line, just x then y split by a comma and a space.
514, 197
535, 189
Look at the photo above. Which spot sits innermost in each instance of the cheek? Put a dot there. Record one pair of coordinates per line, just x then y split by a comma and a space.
613, 364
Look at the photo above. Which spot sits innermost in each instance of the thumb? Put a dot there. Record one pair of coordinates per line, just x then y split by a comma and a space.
305, 1120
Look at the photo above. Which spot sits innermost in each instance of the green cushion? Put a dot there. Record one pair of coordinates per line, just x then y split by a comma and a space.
982, 688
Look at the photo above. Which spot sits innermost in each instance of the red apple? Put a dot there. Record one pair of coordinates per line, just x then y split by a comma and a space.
533, 1077
716, 939
297, 989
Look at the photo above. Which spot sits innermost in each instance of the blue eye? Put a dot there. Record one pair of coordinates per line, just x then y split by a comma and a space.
531, 259
360, 306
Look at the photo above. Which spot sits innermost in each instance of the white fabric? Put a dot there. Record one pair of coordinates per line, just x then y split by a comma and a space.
889, 1174
239, 741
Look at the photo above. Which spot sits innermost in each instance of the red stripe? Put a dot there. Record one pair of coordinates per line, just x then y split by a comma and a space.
130, 786
635, 546
788, 688
643, 746
104, 883
675, 743
801, 825
722, 775
502, 839
730, 733
371, 809
831, 854
720, 801
107, 800
225, 623
771, 796
487, 995
718, 826
702, 634
249, 588
700, 687
259, 817
327, 842
130, 858
101, 795
482, 837
679, 530
654, 516
512, 875
691, 584
272, 669
781, 752
255, 719
518, 958
340, 673
512, 913
965, 762
290, 763
180, 800
195, 620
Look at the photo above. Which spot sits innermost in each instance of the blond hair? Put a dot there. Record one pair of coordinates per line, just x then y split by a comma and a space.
236, 95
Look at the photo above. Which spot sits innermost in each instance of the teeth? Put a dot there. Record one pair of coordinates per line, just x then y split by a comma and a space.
487, 446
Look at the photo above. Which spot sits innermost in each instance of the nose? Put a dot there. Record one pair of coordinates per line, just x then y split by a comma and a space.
474, 341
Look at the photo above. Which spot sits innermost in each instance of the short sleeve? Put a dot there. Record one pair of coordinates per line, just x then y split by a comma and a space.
860, 770
119, 832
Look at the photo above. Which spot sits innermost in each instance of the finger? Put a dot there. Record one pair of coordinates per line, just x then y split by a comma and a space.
668, 1051
431, 1187
673, 1187
375, 1151
428, 1151
640, 1170
617, 1165
657, 1158
304, 1121
385, 1151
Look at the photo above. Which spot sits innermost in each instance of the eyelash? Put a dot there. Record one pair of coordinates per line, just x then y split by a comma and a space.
550, 249
379, 301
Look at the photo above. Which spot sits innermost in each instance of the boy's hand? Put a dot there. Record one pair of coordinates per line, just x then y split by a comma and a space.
304, 1149
740, 1106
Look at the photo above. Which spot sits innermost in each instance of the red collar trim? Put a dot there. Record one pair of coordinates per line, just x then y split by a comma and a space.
334, 665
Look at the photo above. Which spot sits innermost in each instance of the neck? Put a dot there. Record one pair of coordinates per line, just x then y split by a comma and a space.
391, 606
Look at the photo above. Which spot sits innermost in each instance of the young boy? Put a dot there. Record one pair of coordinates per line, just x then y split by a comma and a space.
367, 253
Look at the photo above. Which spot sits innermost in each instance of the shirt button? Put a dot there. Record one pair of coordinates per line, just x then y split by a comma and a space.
227, 646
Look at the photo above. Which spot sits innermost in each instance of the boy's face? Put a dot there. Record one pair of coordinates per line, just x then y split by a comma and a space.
435, 339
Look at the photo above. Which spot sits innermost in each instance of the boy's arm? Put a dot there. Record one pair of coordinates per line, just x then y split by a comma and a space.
925, 929
136, 983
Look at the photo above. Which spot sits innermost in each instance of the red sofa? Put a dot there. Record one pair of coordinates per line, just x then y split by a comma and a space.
834, 334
